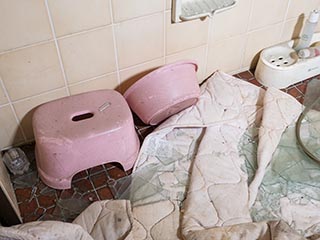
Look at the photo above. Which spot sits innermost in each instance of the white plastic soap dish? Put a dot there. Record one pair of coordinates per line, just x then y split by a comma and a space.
185, 10
279, 66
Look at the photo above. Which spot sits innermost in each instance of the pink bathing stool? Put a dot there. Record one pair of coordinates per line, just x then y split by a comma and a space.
82, 131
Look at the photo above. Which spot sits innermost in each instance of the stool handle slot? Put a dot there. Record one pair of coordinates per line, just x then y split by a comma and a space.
81, 117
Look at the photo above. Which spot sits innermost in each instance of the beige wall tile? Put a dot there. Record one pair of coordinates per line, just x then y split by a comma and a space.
88, 54
231, 22
196, 54
292, 29
301, 8
3, 97
226, 55
23, 23
25, 108
9, 131
133, 74
267, 12
106, 82
168, 4
140, 40
257, 41
124, 9
185, 35
31, 71
70, 16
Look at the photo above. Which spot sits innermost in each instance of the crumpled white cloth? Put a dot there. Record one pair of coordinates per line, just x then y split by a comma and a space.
218, 198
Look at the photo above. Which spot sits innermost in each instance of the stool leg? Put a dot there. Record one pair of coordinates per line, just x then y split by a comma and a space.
54, 182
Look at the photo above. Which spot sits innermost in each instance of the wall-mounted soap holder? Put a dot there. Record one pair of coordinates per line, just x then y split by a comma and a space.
279, 66
185, 10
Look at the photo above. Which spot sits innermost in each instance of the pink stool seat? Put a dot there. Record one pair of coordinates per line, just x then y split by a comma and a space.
82, 131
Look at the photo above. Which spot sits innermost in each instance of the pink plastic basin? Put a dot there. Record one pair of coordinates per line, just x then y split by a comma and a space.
164, 92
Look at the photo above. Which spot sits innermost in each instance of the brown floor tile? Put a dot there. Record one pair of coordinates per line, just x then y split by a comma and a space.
105, 193
46, 201
302, 87
116, 173
23, 194
95, 170
80, 175
28, 207
99, 179
44, 189
31, 218
91, 197
255, 82
49, 210
247, 75
301, 99
40, 211
66, 193
293, 91
82, 186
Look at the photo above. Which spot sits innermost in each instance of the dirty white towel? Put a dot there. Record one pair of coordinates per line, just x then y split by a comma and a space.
218, 198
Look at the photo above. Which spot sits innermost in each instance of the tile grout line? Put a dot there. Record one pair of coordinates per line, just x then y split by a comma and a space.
93, 187
10, 103
115, 45
26, 46
246, 34
82, 32
250, 16
38, 95
284, 20
57, 47
60, 88
74, 34
210, 30
92, 78
164, 32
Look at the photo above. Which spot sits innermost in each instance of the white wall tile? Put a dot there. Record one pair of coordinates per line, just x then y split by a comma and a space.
231, 22
71, 16
258, 40
124, 9
140, 40
267, 12
88, 55
195, 54
106, 82
226, 55
31, 71
185, 35
3, 97
25, 108
301, 8
131, 75
23, 23
168, 4
292, 29
9, 131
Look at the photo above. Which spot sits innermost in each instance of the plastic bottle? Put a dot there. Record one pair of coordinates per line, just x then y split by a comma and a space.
309, 52
16, 161
308, 30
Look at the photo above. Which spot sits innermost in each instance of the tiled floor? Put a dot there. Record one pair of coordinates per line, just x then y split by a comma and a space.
40, 202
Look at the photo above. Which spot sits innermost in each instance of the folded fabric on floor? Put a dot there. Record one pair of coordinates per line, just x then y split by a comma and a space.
220, 169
